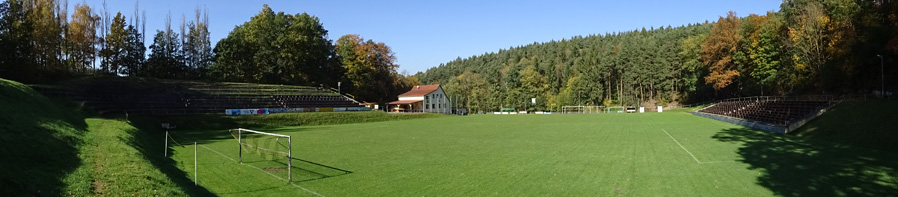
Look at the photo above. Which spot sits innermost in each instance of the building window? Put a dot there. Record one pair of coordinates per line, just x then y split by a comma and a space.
425, 107
433, 106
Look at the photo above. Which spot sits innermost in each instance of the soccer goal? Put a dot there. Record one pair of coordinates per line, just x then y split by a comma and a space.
581, 109
268, 151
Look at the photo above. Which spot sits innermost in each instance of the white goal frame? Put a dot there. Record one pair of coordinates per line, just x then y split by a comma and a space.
240, 145
582, 109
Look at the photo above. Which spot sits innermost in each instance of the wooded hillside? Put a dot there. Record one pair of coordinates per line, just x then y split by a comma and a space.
808, 47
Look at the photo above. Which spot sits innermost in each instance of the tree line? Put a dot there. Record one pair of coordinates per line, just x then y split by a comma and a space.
807, 47
40, 43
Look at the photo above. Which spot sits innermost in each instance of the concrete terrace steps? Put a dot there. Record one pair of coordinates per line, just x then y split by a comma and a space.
171, 97
777, 115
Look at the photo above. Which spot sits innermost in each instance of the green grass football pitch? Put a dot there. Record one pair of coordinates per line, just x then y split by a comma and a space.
652, 154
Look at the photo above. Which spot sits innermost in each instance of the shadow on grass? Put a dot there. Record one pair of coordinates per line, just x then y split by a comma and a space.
39, 145
148, 140
312, 171
302, 170
795, 167
254, 191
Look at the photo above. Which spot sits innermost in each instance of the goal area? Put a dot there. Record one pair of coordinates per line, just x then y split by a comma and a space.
271, 152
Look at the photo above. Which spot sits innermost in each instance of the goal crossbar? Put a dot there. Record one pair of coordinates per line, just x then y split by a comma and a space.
259, 132
289, 152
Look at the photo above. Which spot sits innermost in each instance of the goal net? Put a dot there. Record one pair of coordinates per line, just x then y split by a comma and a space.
268, 151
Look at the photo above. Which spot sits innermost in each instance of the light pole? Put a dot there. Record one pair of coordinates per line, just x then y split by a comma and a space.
882, 76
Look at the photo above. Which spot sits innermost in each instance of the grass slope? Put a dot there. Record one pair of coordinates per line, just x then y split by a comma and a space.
50, 149
38, 142
868, 124
652, 154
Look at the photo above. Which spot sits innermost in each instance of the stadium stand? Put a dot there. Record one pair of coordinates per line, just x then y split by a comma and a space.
771, 110
164, 97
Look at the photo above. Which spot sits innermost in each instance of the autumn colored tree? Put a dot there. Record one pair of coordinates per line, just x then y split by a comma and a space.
82, 37
47, 34
809, 36
718, 50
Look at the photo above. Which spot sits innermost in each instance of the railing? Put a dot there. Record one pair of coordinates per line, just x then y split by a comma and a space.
784, 98
778, 98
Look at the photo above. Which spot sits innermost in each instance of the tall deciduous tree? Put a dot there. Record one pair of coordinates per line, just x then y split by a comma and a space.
693, 68
762, 47
197, 47
82, 37
718, 51
469, 90
47, 34
370, 67
17, 61
277, 48
809, 35
534, 85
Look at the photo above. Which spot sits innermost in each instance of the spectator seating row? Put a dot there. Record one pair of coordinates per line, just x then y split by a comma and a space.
776, 112
187, 97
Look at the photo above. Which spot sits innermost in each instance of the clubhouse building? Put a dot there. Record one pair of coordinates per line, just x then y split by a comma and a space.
422, 98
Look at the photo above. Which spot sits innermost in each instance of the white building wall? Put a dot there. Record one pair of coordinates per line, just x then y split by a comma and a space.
411, 98
437, 102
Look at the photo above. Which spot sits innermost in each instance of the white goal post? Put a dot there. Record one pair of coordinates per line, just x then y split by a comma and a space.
241, 143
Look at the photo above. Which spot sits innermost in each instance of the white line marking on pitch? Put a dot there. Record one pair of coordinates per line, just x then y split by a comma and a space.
690, 153
681, 146
257, 168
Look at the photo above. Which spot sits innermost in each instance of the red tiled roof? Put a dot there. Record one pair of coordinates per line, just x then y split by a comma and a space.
404, 102
420, 90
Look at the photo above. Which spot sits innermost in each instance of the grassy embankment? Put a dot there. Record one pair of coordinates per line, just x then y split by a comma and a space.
51, 149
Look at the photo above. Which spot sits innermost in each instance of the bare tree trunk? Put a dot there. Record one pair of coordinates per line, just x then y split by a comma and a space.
620, 94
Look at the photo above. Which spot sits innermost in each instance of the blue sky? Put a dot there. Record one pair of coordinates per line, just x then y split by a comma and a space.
424, 34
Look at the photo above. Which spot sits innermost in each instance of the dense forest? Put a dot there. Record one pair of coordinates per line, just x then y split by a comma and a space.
807, 47
834, 47
41, 42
